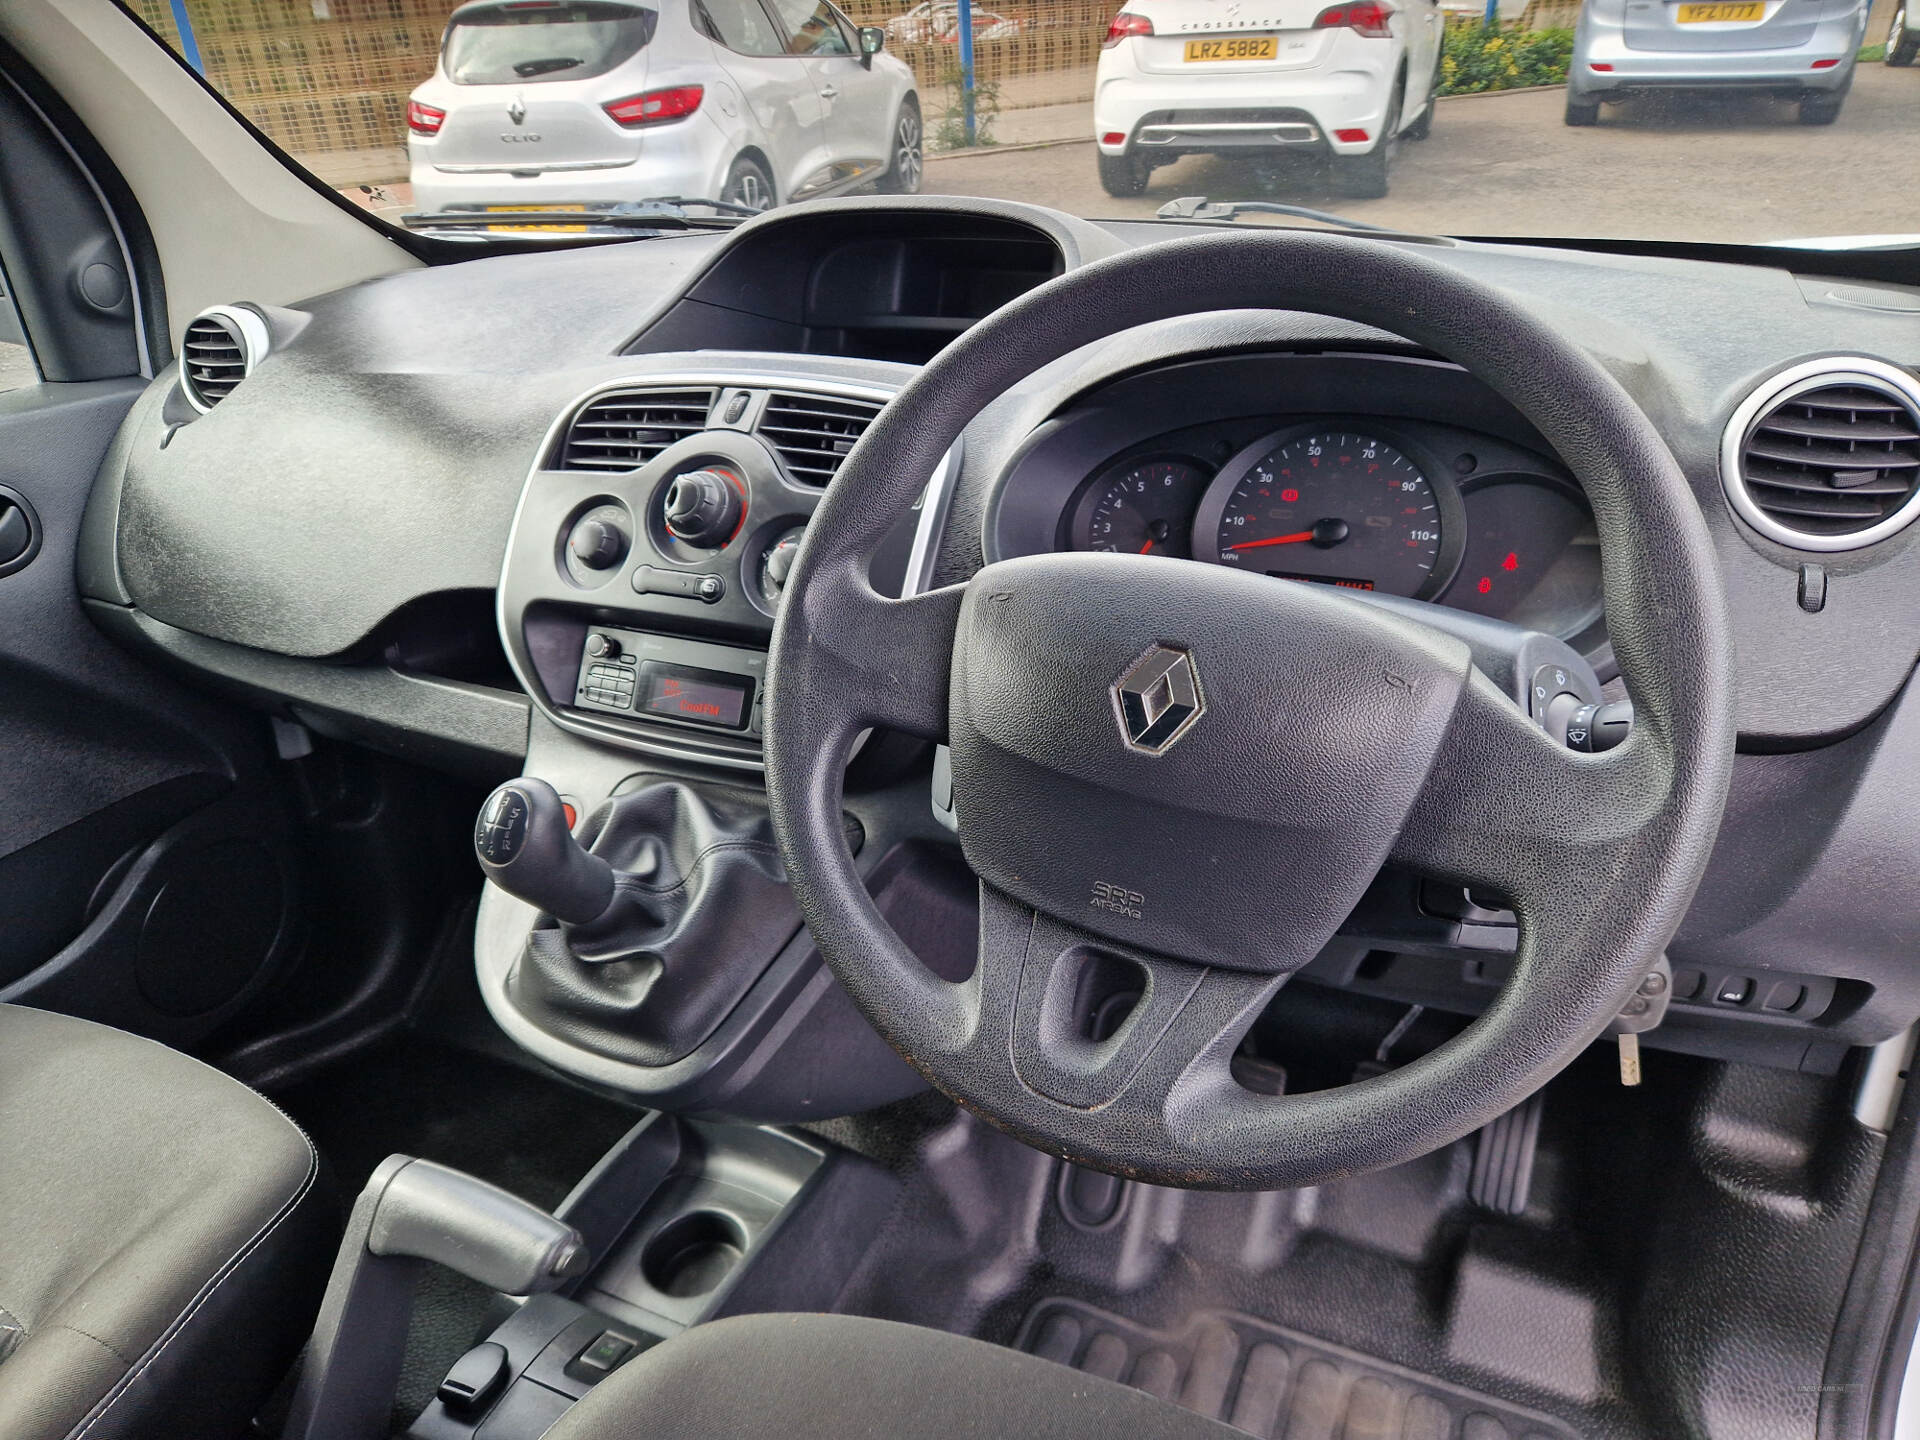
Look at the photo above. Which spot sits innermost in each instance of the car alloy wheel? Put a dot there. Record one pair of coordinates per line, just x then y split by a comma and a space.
748, 185
906, 150
1901, 46
908, 166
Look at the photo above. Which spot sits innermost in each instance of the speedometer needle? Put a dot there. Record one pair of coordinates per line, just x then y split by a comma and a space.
1148, 546
1325, 533
1296, 538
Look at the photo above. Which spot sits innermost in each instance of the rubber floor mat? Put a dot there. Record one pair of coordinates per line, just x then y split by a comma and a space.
1273, 1382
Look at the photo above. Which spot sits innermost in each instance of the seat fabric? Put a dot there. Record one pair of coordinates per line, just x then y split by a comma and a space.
163, 1241
829, 1377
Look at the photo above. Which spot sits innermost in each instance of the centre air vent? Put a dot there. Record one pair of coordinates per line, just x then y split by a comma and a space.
219, 350
813, 433
1826, 456
625, 429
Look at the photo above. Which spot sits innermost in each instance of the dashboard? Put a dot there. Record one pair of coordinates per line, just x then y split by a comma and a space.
536, 511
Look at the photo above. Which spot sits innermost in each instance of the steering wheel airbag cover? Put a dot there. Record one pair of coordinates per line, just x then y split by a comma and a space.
1265, 821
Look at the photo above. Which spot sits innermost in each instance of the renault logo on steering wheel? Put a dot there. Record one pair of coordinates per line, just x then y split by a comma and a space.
1158, 699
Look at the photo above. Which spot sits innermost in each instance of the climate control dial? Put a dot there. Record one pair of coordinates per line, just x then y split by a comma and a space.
776, 565
596, 543
704, 508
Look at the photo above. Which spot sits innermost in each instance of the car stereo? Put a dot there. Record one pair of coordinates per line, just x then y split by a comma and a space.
668, 678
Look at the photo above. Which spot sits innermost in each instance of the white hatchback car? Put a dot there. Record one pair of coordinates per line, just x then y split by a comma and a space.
544, 103
1239, 77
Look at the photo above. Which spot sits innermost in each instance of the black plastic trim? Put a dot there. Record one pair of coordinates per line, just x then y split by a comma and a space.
55, 218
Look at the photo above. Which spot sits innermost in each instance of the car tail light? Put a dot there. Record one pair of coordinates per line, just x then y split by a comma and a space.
424, 119
1351, 137
656, 107
1125, 24
1367, 17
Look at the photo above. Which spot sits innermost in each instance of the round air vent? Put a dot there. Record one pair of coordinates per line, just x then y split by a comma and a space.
221, 347
1826, 455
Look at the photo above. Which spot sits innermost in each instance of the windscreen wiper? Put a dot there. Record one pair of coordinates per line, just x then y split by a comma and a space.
1199, 207
630, 217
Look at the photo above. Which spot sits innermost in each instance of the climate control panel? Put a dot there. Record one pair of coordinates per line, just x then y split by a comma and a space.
655, 540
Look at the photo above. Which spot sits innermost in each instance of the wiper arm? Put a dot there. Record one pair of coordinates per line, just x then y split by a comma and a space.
527, 69
1199, 207
637, 216
722, 207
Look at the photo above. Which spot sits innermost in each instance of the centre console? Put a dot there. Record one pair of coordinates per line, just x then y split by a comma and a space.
679, 1223
684, 1223
653, 543
639, 933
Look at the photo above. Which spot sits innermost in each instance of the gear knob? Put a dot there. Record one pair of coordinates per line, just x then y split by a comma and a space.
524, 844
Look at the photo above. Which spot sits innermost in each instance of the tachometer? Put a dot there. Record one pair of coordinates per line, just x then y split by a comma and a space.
1139, 507
1336, 507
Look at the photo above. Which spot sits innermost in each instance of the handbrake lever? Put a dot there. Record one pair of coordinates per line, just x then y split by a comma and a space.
411, 1212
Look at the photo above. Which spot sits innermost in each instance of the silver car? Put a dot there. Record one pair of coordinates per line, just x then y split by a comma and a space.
560, 103
1798, 49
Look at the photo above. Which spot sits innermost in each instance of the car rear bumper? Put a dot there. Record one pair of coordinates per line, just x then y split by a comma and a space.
1834, 42
1281, 109
689, 159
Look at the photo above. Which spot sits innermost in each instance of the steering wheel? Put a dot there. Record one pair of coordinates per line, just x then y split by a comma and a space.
1175, 781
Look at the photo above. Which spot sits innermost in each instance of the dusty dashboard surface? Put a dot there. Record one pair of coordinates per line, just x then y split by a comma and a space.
566, 486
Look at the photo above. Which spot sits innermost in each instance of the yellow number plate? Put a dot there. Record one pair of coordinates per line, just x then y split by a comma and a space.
547, 229
1702, 14
1254, 47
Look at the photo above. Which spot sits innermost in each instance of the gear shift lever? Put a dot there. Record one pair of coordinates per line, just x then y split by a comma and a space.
525, 846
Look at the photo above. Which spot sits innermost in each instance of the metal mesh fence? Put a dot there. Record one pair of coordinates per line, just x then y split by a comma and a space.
316, 75
328, 79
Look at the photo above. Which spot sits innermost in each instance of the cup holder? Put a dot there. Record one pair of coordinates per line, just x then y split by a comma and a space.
693, 1253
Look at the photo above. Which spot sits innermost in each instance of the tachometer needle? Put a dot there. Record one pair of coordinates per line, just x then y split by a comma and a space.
1148, 546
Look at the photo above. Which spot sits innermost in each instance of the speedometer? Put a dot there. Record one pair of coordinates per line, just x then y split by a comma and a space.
1337, 507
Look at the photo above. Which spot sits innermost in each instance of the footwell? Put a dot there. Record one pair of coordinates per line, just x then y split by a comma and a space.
1271, 1381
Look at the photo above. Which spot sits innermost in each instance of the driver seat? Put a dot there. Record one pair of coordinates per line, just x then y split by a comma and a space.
830, 1377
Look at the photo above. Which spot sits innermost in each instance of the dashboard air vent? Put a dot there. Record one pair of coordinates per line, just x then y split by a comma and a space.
1826, 456
219, 350
626, 429
813, 433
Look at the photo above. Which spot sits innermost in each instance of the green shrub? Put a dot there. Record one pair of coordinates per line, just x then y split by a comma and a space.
950, 126
1479, 58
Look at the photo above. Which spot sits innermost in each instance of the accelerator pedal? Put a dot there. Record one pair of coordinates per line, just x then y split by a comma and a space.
1503, 1158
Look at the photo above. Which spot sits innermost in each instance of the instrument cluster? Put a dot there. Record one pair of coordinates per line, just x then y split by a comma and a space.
1411, 508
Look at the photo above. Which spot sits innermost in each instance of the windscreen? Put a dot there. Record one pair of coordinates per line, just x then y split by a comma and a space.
517, 44
1715, 121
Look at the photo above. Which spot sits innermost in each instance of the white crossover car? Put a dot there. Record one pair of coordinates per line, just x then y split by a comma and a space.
544, 103
1346, 80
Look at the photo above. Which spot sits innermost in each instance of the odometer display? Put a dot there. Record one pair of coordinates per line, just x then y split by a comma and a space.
1334, 507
